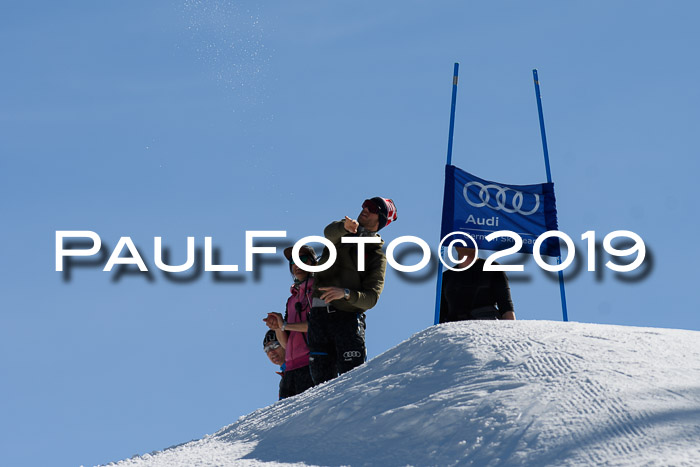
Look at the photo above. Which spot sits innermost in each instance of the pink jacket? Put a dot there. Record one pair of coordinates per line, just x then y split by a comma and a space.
297, 352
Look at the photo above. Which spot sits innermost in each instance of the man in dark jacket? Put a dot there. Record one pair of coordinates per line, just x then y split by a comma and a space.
474, 293
343, 292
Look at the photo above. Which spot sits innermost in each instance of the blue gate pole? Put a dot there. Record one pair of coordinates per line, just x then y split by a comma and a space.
549, 180
438, 287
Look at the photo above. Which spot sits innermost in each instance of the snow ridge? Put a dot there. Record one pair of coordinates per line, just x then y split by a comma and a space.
485, 393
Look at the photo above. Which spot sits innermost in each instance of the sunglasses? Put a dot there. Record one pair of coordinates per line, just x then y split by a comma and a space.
370, 206
303, 258
273, 346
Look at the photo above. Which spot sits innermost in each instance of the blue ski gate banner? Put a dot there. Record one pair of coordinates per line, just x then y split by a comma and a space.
479, 207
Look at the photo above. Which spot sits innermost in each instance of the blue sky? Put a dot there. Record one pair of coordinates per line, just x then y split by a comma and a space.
196, 118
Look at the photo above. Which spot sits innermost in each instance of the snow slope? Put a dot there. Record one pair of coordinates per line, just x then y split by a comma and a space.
484, 393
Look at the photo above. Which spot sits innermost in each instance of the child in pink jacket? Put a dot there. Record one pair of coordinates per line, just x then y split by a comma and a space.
291, 329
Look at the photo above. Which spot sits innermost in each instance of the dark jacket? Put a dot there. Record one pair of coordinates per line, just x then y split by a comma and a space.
365, 287
464, 291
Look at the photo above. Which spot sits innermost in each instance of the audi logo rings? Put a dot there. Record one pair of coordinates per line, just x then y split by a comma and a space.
500, 197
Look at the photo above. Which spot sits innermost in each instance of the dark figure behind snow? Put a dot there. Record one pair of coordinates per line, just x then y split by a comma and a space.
474, 293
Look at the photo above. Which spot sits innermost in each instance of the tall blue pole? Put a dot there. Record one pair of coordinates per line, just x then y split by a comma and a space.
438, 287
549, 180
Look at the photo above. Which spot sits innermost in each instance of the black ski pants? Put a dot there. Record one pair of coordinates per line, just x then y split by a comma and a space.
336, 342
295, 382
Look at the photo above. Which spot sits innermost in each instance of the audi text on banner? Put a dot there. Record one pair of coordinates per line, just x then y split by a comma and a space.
480, 207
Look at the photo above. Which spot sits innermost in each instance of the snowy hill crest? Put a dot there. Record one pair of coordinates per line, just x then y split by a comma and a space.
485, 393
